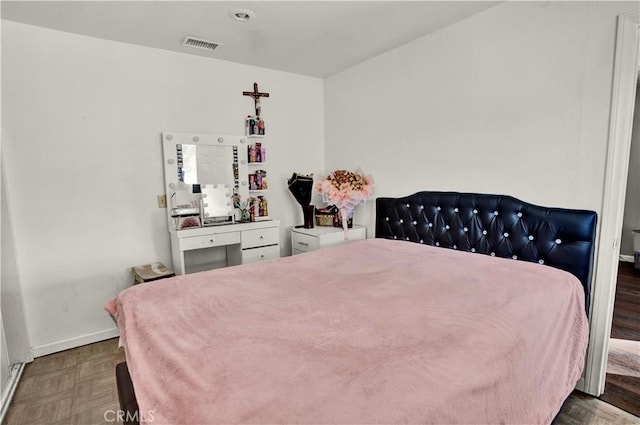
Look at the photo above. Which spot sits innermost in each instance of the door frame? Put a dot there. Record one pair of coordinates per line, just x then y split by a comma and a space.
625, 76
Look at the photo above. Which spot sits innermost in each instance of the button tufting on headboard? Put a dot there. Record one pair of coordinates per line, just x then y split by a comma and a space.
496, 225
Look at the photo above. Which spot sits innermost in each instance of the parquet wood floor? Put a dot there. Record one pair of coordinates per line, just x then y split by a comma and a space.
71, 387
77, 387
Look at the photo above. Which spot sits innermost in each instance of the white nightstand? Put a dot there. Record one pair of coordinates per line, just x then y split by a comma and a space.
305, 240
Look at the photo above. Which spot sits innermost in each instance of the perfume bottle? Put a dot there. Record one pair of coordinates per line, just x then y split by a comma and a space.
258, 149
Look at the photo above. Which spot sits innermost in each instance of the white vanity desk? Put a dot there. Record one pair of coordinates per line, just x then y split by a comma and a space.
244, 242
201, 172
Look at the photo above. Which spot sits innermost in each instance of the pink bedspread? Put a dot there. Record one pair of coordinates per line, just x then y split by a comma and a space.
376, 331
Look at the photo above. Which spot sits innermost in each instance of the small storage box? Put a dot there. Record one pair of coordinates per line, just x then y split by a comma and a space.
324, 219
151, 272
326, 216
331, 217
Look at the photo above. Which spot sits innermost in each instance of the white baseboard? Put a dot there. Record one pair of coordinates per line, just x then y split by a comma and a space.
10, 388
54, 347
627, 258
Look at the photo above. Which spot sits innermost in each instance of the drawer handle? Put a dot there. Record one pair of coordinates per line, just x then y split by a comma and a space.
261, 237
211, 240
262, 256
303, 243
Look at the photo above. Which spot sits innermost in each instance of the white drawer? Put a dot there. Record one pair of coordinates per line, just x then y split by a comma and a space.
304, 243
354, 234
260, 254
206, 241
260, 237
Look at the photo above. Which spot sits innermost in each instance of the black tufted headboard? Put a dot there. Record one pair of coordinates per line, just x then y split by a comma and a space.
497, 225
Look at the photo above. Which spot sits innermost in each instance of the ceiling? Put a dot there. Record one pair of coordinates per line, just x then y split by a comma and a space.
316, 38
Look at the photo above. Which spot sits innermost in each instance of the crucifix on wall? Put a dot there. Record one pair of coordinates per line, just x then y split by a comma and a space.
256, 95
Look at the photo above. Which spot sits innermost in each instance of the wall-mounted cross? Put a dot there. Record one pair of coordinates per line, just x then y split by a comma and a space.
256, 95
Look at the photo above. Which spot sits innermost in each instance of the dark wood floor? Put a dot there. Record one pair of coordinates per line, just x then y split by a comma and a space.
626, 313
620, 390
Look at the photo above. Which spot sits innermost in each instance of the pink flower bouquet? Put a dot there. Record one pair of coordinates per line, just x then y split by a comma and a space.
346, 190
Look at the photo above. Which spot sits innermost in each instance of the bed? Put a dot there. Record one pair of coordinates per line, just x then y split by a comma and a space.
375, 331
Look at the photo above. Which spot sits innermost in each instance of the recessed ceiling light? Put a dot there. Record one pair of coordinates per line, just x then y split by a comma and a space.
242, 15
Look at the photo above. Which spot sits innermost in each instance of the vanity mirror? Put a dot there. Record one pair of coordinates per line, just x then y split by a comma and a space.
201, 163
217, 206
204, 172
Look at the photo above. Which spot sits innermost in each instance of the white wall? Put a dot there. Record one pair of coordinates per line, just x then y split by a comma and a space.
82, 122
514, 100
4, 353
632, 201
12, 301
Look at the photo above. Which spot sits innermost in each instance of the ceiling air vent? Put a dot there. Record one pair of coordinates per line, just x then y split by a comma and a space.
199, 43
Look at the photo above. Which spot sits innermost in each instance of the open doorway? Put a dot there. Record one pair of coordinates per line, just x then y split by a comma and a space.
625, 79
622, 384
